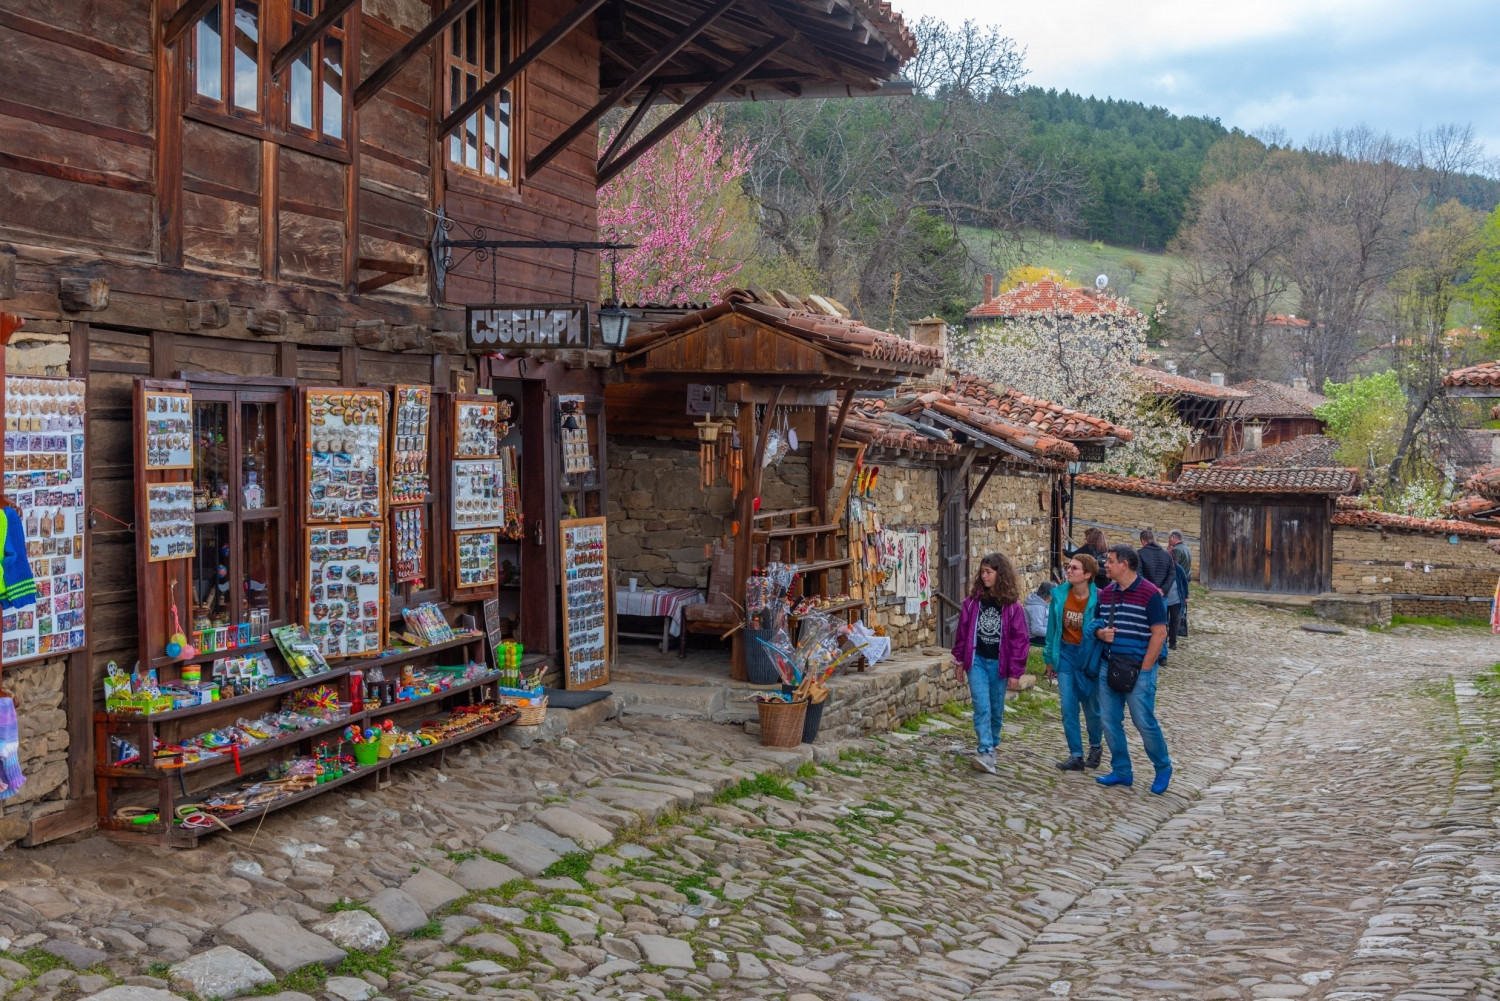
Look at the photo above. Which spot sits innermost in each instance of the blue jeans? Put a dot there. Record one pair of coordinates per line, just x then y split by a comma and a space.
1142, 703
987, 689
1077, 692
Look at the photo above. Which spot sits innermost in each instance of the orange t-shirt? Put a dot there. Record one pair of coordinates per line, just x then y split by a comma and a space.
1072, 629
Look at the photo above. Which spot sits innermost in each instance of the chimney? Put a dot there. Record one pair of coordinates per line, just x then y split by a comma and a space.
1300, 383
989, 287
1216, 378
1252, 438
933, 332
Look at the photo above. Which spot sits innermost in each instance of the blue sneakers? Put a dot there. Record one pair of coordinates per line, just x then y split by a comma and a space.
1163, 779
1115, 780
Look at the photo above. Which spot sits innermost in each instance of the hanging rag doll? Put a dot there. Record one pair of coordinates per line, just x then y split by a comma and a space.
11, 779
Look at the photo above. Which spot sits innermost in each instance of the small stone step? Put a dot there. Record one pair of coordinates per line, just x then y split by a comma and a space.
696, 701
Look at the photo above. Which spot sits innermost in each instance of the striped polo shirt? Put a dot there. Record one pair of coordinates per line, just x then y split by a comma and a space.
1136, 610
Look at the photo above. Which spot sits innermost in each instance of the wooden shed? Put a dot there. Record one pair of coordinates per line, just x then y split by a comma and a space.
1268, 529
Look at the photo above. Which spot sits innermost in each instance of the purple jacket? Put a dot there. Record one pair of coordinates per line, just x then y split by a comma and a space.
1015, 638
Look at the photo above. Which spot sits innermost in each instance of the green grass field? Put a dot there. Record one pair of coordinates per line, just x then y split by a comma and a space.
1139, 275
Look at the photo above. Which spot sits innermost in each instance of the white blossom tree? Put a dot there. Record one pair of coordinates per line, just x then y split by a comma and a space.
1084, 361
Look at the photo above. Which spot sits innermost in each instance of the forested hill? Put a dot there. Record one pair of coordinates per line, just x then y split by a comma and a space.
1139, 164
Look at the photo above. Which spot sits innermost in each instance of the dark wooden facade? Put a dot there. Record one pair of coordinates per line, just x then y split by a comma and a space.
1281, 544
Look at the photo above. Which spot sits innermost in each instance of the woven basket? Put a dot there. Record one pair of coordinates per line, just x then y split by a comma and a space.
781, 723
529, 715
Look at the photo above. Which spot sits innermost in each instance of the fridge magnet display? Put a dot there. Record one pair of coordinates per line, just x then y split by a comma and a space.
170, 531
168, 421
578, 458
406, 544
476, 434
44, 449
345, 432
477, 494
411, 426
345, 587
477, 562
585, 612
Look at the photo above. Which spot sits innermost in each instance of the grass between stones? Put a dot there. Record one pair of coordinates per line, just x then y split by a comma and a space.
757, 785
573, 865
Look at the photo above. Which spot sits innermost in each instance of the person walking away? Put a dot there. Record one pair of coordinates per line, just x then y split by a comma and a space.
1132, 619
1184, 557
1160, 569
1072, 654
991, 648
1095, 546
1037, 606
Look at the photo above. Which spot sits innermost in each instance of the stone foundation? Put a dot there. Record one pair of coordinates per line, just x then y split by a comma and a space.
38, 689
1354, 609
1424, 574
895, 692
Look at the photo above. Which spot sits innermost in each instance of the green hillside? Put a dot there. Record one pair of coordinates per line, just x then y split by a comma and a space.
1139, 275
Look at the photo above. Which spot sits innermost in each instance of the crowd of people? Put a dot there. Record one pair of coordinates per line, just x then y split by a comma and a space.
1105, 631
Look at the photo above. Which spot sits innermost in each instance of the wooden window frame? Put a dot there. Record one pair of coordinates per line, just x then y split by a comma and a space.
482, 71
315, 53
272, 120
278, 502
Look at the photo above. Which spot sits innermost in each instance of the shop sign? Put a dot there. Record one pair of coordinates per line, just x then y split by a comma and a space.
527, 326
1090, 451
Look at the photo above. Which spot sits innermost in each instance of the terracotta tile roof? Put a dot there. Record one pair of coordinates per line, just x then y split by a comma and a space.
1434, 526
1132, 485
982, 419
1049, 297
1272, 399
1037, 414
1469, 506
1485, 483
1181, 385
885, 431
1249, 480
1308, 450
1487, 374
891, 26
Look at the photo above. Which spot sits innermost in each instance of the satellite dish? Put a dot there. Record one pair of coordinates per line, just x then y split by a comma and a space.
1101, 282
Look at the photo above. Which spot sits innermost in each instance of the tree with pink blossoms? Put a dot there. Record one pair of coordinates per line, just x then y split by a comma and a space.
684, 207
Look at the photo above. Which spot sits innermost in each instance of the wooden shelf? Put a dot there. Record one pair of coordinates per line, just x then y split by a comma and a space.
208, 707
818, 566
842, 606
204, 658
401, 706
787, 533
412, 653
226, 757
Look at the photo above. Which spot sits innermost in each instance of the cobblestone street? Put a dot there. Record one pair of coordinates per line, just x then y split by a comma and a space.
1330, 833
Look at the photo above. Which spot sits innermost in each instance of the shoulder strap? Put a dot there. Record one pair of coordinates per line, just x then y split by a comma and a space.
1112, 604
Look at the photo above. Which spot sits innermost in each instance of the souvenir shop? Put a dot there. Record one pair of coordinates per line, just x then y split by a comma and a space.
306, 566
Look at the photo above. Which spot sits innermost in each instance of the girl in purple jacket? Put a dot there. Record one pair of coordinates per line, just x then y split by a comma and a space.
991, 648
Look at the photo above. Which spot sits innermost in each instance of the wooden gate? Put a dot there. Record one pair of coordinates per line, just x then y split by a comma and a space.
953, 545
1280, 545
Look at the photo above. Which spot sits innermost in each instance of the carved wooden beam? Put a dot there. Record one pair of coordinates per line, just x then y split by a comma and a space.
386, 71
628, 129
303, 38
507, 73
731, 77
183, 18
80, 295
628, 85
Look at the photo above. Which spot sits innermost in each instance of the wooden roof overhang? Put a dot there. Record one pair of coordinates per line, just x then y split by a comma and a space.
730, 346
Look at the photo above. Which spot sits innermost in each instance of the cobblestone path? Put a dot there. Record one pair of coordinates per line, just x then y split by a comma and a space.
1330, 833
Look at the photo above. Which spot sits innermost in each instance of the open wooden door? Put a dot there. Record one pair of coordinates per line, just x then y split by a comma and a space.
953, 549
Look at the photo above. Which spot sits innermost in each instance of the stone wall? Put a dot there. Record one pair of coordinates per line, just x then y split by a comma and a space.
38, 686
1122, 516
660, 521
860, 704
907, 497
1013, 516
1425, 574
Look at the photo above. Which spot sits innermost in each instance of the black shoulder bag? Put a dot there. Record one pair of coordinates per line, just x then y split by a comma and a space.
1120, 672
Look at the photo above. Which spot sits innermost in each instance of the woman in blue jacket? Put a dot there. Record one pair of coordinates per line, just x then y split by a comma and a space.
1073, 655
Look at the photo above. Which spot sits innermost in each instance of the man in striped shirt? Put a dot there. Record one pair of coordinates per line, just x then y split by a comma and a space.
1132, 619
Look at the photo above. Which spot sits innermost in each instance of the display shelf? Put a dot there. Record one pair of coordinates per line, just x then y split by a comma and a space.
248, 697
842, 606
226, 757
213, 517
443, 745
204, 658
794, 531
399, 656
818, 566
397, 707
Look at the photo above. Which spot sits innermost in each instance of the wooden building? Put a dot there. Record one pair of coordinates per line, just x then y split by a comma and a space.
253, 198
1274, 413
1210, 407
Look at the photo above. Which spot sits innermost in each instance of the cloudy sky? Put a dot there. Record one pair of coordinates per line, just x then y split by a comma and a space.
1305, 65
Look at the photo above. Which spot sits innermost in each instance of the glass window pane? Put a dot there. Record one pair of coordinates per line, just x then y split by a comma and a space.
488, 158
260, 458
471, 36
300, 96
502, 144
333, 87
208, 65
471, 142
490, 34
505, 22
211, 455
247, 54
261, 559
213, 597
303, 7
